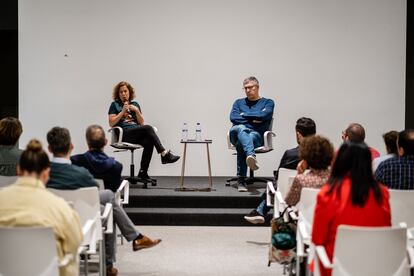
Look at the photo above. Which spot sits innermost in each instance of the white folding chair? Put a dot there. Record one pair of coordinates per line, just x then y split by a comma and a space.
7, 180
100, 183
86, 202
306, 207
402, 206
285, 180
35, 247
362, 251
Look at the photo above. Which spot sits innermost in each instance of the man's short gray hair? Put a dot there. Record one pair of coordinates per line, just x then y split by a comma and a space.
251, 79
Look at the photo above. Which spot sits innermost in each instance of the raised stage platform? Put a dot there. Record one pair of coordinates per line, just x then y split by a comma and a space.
164, 205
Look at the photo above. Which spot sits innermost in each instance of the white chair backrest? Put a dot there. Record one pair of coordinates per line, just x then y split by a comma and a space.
370, 251
285, 180
85, 201
306, 206
100, 183
35, 247
7, 180
402, 206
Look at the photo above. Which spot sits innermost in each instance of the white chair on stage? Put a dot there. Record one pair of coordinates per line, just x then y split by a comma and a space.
30, 251
86, 202
362, 251
120, 145
267, 147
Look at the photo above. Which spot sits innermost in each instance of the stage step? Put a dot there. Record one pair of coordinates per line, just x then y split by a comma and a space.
189, 216
164, 205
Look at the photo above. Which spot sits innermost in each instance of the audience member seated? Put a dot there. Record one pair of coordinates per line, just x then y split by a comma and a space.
316, 153
305, 127
27, 203
351, 197
398, 172
95, 160
356, 133
390, 140
64, 175
251, 117
10, 131
127, 114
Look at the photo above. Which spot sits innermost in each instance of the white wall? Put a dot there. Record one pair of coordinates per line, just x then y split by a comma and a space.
334, 61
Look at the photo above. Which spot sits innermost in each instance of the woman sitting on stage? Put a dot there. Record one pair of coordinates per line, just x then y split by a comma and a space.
127, 114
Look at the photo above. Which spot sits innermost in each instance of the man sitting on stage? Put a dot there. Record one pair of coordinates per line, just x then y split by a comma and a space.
251, 117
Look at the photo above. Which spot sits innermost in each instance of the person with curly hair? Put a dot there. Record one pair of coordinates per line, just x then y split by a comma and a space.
127, 114
316, 153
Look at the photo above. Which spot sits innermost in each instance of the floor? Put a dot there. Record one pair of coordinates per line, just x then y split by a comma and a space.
192, 250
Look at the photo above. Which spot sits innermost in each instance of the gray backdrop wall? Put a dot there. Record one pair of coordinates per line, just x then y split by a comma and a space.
334, 61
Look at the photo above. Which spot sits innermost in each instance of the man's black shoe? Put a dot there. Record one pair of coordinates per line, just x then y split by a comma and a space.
169, 158
144, 176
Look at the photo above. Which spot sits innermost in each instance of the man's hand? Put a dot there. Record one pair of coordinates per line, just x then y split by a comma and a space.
302, 166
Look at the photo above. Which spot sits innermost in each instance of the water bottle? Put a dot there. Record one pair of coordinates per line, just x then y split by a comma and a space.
198, 132
184, 132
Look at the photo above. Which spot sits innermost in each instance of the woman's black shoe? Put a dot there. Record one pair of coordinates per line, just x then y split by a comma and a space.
169, 158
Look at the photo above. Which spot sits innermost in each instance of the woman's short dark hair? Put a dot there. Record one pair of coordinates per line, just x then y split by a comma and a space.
10, 131
115, 93
354, 159
305, 126
390, 140
34, 158
59, 140
317, 151
95, 137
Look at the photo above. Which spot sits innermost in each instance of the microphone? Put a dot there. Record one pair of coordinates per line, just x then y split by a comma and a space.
128, 107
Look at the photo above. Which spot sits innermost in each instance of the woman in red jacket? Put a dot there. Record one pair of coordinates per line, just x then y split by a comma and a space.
350, 197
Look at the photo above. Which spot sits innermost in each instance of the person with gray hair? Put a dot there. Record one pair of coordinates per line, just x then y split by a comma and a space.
251, 117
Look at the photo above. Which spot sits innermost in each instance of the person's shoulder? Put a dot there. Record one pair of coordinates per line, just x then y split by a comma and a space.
81, 170
389, 162
267, 100
240, 100
77, 157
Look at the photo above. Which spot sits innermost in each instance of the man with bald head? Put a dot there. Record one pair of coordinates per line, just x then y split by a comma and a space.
95, 160
355, 133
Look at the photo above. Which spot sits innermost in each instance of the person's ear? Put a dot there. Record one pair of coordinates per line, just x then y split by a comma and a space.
49, 148
400, 151
19, 170
44, 175
106, 141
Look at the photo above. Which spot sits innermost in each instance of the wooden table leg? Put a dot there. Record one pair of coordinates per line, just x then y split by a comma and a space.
183, 167
209, 168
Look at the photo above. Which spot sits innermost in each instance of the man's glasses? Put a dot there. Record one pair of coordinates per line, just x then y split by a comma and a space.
249, 87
